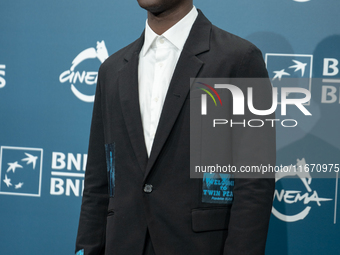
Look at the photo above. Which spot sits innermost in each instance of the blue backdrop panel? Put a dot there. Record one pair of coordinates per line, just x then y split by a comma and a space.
49, 56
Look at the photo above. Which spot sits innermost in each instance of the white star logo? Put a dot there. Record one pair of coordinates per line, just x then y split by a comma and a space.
13, 166
279, 74
30, 159
7, 181
299, 66
19, 185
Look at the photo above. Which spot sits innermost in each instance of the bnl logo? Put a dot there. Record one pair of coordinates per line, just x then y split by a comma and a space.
283, 66
20, 171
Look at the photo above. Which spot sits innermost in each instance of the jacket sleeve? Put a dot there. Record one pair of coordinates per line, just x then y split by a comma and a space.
252, 146
92, 222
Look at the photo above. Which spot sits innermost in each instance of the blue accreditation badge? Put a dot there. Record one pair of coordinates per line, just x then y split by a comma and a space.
110, 162
218, 188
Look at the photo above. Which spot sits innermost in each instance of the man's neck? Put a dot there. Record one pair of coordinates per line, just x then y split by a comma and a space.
161, 22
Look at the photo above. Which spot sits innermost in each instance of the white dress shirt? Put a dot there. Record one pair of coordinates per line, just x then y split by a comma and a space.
157, 62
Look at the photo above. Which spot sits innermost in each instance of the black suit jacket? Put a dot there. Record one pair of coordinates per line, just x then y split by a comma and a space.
179, 223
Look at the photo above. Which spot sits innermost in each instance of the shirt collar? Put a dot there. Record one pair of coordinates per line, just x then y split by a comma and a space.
177, 34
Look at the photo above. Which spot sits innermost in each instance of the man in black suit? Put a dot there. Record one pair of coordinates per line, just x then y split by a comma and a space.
139, 197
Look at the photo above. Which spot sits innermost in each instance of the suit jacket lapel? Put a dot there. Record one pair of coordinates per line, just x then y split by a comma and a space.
128, 93
188, 66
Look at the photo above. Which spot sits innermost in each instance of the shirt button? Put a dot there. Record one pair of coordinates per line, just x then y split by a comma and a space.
160, 64
148, 188
155, 99
161, 40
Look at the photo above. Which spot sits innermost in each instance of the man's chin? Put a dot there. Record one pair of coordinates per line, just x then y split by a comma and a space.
157, 7
154, 9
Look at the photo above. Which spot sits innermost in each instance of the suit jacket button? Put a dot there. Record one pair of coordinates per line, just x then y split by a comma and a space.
148, 188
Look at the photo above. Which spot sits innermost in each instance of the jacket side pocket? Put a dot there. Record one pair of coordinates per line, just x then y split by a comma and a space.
209, 219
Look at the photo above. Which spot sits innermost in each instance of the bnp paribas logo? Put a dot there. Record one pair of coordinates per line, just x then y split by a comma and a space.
283, 67
20, 171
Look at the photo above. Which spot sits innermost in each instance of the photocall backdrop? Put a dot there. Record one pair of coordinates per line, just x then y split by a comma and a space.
50, 52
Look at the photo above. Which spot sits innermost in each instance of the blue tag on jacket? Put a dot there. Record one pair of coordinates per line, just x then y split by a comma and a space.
81, 252
217, 188
110, 162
